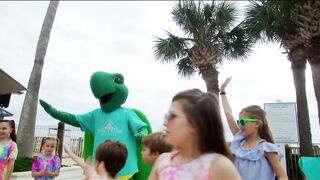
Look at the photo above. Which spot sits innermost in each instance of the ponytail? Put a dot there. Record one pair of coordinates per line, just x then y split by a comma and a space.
13, 134
42, 143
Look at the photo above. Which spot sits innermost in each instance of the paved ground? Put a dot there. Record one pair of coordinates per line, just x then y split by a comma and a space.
73, 172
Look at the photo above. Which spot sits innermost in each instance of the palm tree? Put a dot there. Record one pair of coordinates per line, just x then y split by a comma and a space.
275, 21
306, 16
29, 110
211, 36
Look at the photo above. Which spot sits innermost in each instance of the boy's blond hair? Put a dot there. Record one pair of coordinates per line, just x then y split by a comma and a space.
157, 143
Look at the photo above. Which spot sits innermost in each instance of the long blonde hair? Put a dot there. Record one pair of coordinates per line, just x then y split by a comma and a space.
255, 111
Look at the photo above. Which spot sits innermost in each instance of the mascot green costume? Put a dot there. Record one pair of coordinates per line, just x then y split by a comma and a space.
110, 122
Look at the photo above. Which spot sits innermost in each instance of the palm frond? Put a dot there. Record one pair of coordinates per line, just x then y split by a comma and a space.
269, 20
226, 14
207, 12
169, 49
189, 17
185, 67
256, 20
211, 35
236, 44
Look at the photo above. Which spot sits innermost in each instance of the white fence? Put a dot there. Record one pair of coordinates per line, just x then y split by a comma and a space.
73, 137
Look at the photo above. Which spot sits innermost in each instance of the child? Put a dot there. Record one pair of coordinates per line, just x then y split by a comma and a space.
110, 158
153, 145
256, 156
47, 165
8, 148
194, 128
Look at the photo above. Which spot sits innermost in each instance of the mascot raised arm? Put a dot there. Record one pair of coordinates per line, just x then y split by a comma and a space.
110, 122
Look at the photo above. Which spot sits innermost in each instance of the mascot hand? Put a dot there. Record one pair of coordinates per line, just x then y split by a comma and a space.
62, 116
47, 107
141, 134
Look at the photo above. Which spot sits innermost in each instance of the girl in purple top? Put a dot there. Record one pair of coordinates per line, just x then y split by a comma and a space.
47, 165
256, 155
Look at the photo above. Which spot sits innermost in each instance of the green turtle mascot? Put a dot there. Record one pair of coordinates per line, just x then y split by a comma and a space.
110, 122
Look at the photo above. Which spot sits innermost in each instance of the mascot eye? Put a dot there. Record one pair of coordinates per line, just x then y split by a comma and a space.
117, 80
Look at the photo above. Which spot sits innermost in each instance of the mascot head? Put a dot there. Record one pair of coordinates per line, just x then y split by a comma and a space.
109, 89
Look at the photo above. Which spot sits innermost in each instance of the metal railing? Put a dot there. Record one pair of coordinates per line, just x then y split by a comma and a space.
73, 137
292, 157
76, 146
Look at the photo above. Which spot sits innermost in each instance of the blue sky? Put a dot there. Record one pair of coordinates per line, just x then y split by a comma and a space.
118, 37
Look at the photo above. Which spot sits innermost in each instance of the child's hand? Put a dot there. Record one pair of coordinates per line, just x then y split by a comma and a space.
43, 173
225, 83
66, 148
11, 156
88, 172
46, 172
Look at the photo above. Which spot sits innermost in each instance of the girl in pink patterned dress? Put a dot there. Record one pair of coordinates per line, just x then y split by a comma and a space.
194, 128
8, 148
46, 166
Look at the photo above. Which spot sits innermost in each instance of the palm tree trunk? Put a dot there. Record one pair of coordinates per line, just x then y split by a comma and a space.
210, 76
29, 110
315, 70
298, 70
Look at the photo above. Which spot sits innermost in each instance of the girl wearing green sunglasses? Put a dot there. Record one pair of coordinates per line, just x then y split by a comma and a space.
256, 155
243, 122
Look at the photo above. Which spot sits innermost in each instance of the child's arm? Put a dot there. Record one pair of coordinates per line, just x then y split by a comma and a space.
75, 158
276, 166
35, 172
56, 168
12, 158
38, 173
51, 174
10, 168
90, 173
227, 108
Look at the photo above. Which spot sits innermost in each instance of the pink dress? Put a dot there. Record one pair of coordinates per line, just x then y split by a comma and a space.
196, 169
7, 152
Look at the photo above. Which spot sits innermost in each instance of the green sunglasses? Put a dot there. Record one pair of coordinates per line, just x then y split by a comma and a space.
244, 121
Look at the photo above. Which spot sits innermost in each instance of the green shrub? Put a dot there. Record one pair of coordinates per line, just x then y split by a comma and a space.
23, 164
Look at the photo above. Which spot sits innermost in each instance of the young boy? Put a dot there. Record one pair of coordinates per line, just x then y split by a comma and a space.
110, 158
153, 145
